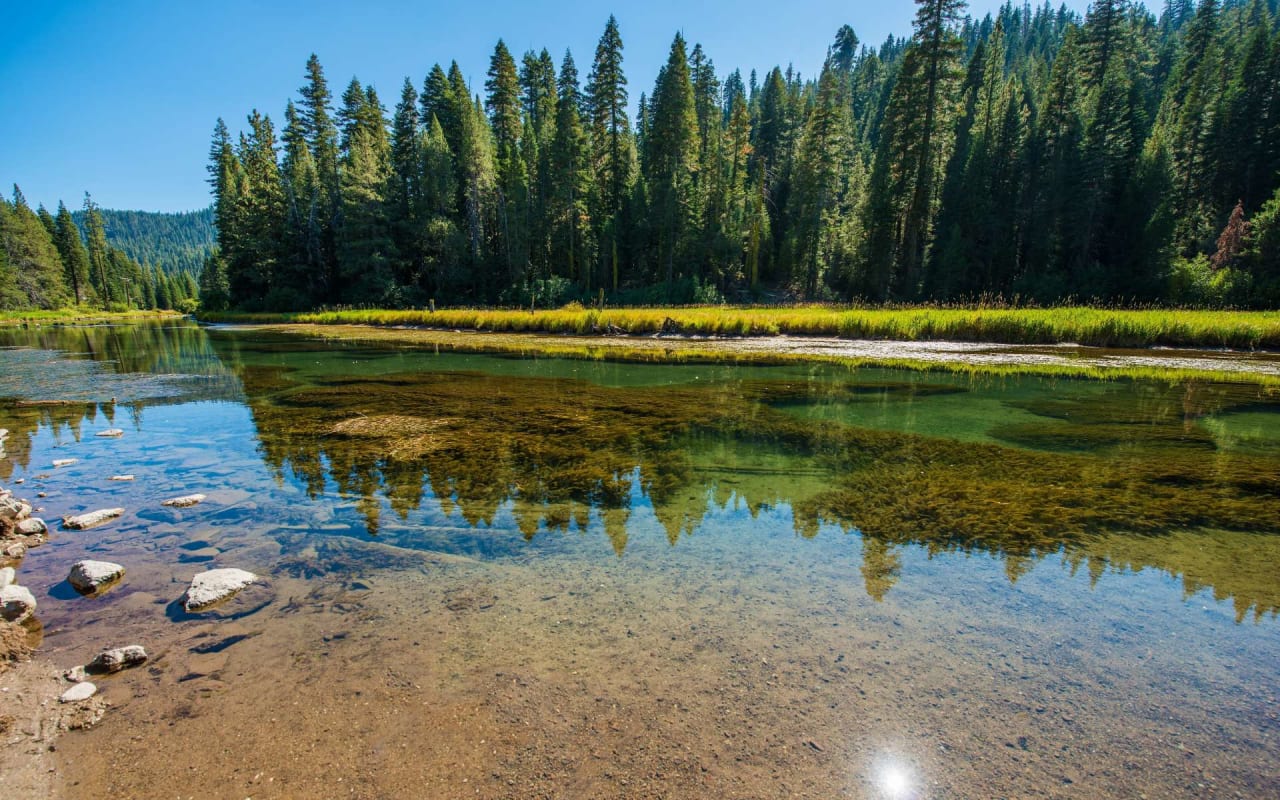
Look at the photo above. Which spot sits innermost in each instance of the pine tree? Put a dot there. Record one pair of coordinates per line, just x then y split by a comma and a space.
672, 163
366, 248
75, 259
31, 259
503, 105
322, 136
614, 152
99, 253
404, 191
572, 236
252, 265
827, 187
302, 250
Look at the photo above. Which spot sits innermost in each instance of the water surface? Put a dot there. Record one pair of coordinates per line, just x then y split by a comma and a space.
521, 577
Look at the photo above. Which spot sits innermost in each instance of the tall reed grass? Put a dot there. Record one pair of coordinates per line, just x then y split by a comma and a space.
1247, 330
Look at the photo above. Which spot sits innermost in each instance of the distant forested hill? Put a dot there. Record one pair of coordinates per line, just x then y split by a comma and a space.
174, 242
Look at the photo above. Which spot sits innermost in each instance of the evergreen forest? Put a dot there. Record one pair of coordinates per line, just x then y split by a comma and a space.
48, 262
1033, 155
175, 242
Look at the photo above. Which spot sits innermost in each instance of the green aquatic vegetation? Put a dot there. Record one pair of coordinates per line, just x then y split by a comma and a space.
647, 350
560, 450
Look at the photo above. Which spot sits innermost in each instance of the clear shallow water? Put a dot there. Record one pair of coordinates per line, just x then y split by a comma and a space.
772, 581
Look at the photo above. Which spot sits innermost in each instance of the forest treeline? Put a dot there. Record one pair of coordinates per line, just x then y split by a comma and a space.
1123, 156
46, 262
173, 241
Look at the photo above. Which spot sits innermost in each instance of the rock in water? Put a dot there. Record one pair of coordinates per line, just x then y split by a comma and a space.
32, 526
112, 432
16, 603
6, 576
79, 692
185, 501
117, 659
90, 576
89, 520
214, 586
120, 478
64, 462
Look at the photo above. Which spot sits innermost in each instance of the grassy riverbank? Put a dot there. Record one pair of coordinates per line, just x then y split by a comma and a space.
1245, 330
79, 316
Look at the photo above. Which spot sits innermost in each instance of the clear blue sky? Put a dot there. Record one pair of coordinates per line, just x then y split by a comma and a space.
119, 98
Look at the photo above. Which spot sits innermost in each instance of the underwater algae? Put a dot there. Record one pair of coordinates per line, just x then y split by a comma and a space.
558, 449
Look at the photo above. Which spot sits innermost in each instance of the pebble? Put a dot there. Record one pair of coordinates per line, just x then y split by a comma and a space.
120, 478
78, 693
113, 432
64, 462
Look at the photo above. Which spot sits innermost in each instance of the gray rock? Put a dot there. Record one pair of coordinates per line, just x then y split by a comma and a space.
185, 501
115, 660
82, 521
214, 586
112, 432
16, 603
90, 576
32, 526
6, 576
80, 692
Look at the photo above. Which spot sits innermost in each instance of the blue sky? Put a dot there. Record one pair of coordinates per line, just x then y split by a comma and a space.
119, 98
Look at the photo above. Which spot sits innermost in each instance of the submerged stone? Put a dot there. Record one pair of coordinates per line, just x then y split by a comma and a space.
215, 586
185, 501
117, 659
91, 519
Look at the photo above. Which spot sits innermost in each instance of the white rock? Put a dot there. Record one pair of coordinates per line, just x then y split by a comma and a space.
14, 549
6, 576
89, 520
78, 693
75, 674
210, 587
16, 603
120, 478
113, 432
64, 462
32, 526
117, 659
89, 576
185, 501
4, 434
